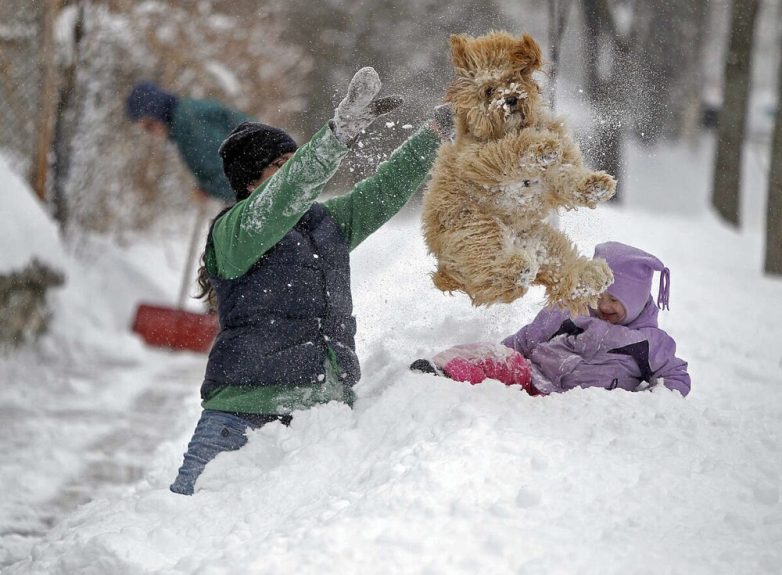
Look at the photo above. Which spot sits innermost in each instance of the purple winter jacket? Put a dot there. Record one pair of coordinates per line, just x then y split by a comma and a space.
586, 351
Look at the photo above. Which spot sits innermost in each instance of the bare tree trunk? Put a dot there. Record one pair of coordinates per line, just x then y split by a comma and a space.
726, 186
693, 97
44, 133
603, 90
773, 263
63, 127
558, 11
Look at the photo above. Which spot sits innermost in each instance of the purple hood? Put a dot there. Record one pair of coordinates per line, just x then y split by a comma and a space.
633, 271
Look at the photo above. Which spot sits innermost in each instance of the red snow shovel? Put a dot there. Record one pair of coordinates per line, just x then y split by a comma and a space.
177, 328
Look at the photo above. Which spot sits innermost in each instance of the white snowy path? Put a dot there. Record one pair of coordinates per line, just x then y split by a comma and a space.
84, 415
81, 445
426, 475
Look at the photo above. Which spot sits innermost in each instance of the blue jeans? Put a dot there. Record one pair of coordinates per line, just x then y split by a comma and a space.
216, 431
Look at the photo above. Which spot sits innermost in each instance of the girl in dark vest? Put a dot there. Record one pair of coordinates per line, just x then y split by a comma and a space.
278, 263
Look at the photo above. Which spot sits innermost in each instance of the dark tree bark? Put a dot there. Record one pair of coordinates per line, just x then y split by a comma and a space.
773, 264
690, 114
63, 126
558, 11
726, 187
45, 124
605, 53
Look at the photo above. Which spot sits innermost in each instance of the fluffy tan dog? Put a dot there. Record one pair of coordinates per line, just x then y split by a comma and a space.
511, 164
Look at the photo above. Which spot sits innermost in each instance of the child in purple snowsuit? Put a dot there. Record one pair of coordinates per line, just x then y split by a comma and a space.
618, 345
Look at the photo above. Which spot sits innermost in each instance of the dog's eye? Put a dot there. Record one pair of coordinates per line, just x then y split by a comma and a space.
526, 183
488, 91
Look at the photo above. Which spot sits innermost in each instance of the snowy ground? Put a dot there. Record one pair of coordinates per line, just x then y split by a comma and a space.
424, 475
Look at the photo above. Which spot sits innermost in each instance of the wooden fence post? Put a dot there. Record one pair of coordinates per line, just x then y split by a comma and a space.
44, 133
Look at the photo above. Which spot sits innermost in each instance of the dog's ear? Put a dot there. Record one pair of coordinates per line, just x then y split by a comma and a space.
459, 51
526, 55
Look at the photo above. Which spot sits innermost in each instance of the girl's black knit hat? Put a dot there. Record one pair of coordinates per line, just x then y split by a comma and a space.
250, 148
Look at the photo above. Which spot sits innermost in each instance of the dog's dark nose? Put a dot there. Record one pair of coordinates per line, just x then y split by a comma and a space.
511, 100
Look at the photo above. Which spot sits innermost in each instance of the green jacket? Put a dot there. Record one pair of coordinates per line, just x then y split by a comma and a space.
198, 127
250, 228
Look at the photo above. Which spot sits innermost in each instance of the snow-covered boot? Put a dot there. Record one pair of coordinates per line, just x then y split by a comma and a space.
361, 107
425, 366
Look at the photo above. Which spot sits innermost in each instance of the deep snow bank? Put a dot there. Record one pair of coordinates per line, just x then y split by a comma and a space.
28, 231
83, 409
431, 476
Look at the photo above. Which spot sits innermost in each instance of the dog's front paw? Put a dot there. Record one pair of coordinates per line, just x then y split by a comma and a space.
579, 288
594, 279
549, 158
543, 153
597, 187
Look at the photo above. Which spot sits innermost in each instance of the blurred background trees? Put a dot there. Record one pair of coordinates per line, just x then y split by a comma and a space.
733, 114
773, 255
102, 173
648, 72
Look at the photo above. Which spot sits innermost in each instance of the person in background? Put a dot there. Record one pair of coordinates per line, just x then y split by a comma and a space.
197, 127
279, 263
617, 346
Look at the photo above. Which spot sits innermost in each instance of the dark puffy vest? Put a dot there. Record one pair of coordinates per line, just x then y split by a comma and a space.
278, 319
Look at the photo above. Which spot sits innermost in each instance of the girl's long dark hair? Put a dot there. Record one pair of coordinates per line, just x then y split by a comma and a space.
207, 291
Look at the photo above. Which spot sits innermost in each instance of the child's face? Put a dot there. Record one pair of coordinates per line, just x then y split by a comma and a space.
610, 309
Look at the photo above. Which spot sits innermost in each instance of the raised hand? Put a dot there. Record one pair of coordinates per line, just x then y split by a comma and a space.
361, 107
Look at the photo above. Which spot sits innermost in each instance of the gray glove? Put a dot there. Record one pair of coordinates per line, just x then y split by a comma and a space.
443, 122
360, 107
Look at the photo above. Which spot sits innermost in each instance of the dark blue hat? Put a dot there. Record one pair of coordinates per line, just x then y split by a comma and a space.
248, 149
148, 100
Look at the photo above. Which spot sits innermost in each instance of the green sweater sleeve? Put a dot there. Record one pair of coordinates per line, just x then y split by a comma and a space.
252, 226
373, 201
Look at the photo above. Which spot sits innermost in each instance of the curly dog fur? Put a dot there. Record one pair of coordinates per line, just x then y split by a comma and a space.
510, 165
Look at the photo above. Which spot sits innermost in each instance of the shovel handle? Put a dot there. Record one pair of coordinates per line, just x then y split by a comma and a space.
192, 249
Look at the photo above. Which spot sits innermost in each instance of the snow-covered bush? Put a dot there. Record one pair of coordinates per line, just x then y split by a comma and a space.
24, 314
28, 262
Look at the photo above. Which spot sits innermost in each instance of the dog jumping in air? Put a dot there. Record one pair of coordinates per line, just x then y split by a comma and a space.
511, 164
